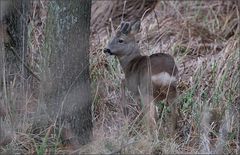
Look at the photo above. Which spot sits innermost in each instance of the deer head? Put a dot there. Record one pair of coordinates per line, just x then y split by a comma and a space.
123, 43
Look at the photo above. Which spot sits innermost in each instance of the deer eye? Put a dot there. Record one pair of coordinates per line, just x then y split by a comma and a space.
120, 40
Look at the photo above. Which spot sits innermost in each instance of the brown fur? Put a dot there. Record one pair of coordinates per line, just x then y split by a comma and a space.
139, 69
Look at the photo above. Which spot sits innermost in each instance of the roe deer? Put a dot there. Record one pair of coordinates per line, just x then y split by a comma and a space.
147, 77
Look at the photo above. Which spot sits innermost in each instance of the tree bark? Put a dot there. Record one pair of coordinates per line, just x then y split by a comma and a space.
14, 32
65, 79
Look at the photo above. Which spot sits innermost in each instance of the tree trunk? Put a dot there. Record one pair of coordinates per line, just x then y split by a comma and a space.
65, 79
13, 19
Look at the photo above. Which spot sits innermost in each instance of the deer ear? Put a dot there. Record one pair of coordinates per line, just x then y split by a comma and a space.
125, 27
135, 27
121, 25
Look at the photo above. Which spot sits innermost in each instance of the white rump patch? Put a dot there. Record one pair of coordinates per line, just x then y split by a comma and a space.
163, 78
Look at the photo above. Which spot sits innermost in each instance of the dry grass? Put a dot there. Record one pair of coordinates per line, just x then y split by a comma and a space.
204, 39
203, 36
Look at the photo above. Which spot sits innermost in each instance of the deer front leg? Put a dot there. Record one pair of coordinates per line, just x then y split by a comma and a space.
123, 98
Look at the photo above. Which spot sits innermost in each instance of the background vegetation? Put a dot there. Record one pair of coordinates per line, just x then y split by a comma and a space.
203, 37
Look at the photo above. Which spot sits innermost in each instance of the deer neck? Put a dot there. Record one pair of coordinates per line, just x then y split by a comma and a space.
126, 59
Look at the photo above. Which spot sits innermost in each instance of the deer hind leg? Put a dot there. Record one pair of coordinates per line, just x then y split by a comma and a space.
171, 97
150, 115
153, 118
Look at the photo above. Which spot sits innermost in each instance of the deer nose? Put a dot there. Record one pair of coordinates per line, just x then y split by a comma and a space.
106, 50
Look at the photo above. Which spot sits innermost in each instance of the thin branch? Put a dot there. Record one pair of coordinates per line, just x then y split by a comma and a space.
24, 64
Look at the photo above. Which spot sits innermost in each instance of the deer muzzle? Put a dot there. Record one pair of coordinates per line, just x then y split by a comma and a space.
106, 50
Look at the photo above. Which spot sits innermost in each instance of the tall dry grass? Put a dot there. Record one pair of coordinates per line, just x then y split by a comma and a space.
203, 37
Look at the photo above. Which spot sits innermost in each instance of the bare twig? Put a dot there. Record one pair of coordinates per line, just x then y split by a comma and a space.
24, 64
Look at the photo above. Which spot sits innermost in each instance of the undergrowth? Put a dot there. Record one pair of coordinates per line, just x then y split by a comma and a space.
202, 36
